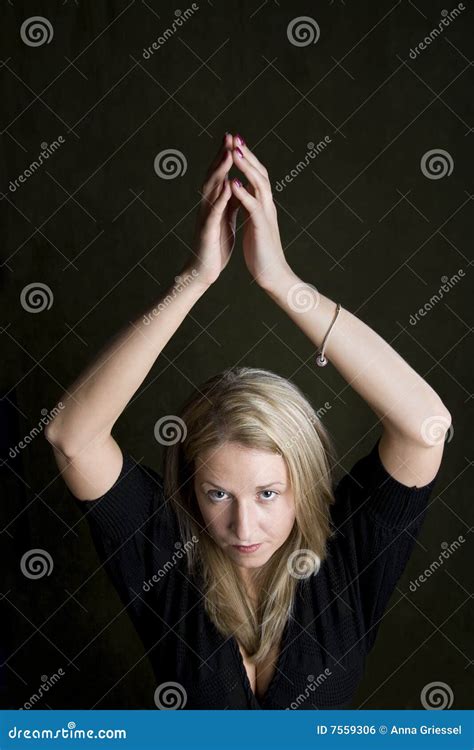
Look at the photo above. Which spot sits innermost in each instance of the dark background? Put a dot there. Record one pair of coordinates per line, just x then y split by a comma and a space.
96, 224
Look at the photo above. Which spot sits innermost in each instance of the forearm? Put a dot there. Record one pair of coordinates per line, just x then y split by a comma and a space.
400, 398
97, 398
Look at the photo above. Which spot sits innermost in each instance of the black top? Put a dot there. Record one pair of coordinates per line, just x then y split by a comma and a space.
336, 614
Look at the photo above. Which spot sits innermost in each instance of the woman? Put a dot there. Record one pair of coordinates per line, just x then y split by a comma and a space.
253, 580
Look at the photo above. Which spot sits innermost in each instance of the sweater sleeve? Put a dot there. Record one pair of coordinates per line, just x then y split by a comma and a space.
377, 521
135, 533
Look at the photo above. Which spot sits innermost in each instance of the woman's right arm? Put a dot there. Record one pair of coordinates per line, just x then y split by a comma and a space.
87, 455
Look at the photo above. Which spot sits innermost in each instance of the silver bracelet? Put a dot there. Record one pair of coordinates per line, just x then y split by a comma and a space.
321, 360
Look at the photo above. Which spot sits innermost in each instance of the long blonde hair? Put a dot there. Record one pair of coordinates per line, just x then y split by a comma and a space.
257, 409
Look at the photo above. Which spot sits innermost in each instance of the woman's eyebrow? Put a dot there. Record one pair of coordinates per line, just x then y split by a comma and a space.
269, 484
258, 487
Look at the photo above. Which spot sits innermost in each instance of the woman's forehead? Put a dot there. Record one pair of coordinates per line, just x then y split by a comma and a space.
233, 460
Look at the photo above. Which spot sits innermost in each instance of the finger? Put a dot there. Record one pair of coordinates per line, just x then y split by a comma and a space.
254, 176
228, 140
225, 143
249, 155
247, 200
222, 200
233, 207
213, 184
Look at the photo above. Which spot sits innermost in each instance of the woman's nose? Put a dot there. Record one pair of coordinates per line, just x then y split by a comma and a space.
243, 522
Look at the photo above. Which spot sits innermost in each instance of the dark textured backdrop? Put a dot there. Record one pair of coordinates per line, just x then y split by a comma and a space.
372, 222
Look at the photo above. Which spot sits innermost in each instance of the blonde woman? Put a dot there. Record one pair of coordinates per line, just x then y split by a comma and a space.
253, 579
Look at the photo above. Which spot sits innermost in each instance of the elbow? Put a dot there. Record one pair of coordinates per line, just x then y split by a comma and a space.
55, 427
56, 438
437, 428
50, 433
71, 441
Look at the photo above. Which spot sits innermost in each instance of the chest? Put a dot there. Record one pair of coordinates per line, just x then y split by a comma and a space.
260, 676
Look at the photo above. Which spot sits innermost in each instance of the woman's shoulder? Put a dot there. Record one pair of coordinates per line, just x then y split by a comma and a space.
369, 486
135, 501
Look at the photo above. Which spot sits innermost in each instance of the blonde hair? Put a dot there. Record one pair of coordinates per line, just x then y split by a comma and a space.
258, 409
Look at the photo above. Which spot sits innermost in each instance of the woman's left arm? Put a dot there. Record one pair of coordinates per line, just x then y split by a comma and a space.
413, 416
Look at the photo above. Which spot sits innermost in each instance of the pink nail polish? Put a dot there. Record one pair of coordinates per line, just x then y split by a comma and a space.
239, 152
237, 182
240, 140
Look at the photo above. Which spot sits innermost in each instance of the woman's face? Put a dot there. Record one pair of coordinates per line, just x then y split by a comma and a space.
245, 498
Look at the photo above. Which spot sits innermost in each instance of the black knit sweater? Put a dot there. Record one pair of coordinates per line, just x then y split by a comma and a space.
336, 614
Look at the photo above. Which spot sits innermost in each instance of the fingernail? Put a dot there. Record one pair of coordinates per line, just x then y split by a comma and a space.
237, 182
239, 152
225, 135
240, 140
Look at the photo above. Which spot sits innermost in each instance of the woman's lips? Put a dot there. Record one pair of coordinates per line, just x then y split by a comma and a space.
247, 549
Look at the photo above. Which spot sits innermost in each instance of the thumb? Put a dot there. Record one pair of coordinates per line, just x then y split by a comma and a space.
247, 200
232, 210
222, 200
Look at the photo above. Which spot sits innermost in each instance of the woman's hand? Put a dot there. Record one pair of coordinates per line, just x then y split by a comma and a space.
261, 242
214, 234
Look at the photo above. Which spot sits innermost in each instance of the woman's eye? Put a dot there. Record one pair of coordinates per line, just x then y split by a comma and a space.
211, 492
272, 492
